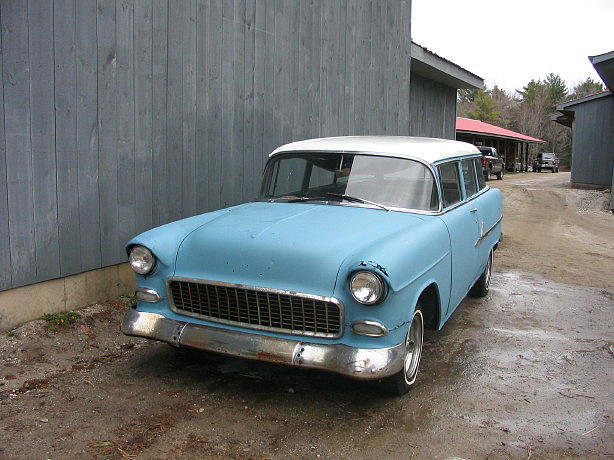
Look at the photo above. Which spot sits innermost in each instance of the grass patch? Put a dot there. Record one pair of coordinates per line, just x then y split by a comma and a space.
60, 319
11, 334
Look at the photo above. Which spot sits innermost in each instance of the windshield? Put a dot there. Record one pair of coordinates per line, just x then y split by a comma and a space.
548, 155
378, 180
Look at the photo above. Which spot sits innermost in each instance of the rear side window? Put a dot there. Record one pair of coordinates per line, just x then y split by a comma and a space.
480, 171
450, 184
471, 185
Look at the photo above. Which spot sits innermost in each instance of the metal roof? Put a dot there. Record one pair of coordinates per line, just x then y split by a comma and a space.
565, 116
604, 65
427, 149
470, 126
583, 99
434, 67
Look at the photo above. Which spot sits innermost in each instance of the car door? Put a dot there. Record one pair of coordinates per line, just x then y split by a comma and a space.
462, 222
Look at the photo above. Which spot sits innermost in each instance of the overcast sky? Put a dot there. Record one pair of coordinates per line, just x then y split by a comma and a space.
510, 42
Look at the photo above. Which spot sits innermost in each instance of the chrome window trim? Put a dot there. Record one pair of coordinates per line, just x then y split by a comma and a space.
431, 166
327, 299
466, 199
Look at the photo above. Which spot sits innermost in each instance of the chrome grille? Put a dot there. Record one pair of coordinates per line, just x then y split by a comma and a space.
256, 308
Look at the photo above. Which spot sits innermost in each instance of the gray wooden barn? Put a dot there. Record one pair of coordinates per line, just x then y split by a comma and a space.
591, 119
121, 115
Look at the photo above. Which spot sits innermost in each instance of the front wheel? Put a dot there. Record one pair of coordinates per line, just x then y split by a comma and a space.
404, 380
481, 286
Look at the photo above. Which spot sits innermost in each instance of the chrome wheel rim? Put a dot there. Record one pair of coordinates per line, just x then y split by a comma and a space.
413, 347
488, 270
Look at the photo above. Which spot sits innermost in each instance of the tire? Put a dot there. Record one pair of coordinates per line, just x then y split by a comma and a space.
539, 170
487, 174
500, 175
404, 380
482, 285
553, 170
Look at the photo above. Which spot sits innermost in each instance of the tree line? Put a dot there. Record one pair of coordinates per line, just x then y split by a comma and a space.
528, 110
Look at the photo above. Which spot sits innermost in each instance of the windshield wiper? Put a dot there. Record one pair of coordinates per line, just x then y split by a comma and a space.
358, 200
294, 198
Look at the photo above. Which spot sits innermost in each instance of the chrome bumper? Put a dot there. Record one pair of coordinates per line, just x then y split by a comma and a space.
360, 363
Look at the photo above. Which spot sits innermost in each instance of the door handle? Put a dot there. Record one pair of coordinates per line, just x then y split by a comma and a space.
473, 210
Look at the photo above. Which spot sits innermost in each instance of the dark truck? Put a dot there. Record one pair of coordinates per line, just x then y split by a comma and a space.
546, 161
492, 163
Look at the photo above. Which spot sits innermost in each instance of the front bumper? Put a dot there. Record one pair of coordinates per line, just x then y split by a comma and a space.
360, 363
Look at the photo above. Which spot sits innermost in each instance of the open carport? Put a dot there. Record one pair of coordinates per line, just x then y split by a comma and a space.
512, 146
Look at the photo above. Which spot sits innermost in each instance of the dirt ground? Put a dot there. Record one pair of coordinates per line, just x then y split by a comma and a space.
527, 372
562, 233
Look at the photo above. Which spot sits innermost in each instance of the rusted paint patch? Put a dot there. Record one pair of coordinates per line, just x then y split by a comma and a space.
370, 263
271, 357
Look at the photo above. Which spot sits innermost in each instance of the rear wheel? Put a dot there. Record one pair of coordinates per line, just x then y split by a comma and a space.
500, 174
404, 380
487, 174
481, 286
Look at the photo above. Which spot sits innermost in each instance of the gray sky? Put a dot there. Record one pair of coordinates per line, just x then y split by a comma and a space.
510, 42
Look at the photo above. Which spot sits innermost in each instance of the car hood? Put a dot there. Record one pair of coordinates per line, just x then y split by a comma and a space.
292, 246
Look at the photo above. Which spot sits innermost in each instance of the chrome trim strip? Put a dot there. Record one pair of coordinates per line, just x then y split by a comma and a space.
359, 363
147, 291
484, 235
320, 298
383, 329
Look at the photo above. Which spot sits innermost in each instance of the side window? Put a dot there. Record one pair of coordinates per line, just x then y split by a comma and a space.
471, 185
450, 183
480, 173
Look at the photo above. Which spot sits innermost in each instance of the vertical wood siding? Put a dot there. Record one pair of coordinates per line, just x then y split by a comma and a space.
121, 115
432, 109
593, 143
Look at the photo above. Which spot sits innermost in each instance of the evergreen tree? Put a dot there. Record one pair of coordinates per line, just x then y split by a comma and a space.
586, 88
485, 109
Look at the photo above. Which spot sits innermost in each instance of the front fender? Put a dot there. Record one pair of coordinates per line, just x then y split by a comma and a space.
408, 262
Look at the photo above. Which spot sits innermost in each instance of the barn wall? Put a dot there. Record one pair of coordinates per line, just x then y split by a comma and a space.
432, 111
593, 142
123, 115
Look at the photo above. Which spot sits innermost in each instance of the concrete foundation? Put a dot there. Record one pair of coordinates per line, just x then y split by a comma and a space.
30, 302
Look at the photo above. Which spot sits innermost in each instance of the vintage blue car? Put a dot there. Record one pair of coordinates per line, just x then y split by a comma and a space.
355, 245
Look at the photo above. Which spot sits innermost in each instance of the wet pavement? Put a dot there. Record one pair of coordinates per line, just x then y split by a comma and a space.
527, 371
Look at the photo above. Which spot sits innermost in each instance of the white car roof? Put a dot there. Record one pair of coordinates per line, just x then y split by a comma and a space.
428, 149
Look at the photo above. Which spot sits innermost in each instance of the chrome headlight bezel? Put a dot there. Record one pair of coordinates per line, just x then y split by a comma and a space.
142, 260
365, 278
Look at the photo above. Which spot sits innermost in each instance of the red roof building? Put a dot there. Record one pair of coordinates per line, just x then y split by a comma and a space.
512, 146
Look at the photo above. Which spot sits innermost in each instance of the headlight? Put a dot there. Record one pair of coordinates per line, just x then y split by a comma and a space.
142, 260
367, 287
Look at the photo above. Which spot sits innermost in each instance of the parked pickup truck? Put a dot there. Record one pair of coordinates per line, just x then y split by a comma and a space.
546, 161
492, 163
